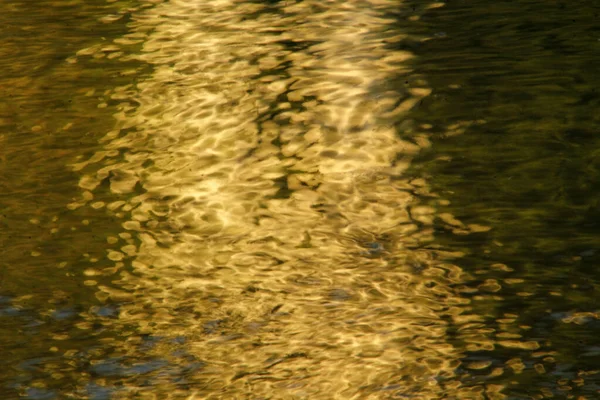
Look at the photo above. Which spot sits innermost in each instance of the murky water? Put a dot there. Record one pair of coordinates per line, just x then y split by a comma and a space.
520, 80
226, 199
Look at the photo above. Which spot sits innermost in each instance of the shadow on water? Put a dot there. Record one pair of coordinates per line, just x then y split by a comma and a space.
519, 81
49, 117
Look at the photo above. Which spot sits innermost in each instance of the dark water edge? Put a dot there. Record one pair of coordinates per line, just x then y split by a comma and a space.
49, 118
514, 121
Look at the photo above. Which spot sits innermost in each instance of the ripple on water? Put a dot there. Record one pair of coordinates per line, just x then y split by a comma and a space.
260, 182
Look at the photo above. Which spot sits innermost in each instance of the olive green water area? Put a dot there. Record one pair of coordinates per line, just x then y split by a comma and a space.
299, 200
49, 116
523, 76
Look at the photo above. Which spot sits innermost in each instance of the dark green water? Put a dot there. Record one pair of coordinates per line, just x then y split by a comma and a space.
512, 120
49, 119
522, 79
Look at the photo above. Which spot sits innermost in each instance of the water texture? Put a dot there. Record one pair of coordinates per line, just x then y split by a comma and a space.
264, 200
266, 218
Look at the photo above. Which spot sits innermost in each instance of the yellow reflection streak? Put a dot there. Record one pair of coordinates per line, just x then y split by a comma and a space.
275, 231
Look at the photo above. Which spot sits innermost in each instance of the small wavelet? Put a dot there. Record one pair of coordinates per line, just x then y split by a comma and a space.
258, 172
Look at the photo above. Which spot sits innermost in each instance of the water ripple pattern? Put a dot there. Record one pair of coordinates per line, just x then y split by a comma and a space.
258, 172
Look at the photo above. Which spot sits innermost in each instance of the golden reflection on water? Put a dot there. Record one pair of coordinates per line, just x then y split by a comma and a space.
266, 219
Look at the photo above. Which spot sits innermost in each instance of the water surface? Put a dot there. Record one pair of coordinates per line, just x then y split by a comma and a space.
296, 200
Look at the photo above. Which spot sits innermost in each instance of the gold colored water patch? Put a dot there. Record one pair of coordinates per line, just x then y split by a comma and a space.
266, 218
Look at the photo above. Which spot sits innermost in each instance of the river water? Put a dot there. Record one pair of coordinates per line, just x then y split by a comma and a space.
297, 200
